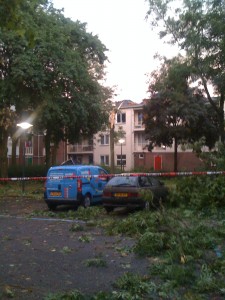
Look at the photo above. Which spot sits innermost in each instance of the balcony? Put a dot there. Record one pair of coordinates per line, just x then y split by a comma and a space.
80, 149
141, 147
138, 126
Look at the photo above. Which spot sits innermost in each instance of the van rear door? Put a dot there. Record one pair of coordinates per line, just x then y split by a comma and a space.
61, 185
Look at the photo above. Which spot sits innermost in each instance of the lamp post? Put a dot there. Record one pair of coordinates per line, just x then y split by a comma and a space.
24, 126
121, 141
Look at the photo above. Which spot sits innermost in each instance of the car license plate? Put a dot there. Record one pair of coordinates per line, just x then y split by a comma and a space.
121, 195
55, 194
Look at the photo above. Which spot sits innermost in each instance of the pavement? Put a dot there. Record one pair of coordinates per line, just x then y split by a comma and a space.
40, 256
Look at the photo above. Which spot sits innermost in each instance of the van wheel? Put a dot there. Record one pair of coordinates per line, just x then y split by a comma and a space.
51, 206
108, 209
86, 201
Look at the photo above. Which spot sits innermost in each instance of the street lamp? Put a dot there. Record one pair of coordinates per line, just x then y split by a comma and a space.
121, 141
24, 126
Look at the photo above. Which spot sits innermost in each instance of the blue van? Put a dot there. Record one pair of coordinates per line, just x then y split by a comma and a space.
75, 185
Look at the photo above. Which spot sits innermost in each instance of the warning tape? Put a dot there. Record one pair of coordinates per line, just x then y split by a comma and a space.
162, 174
22, 178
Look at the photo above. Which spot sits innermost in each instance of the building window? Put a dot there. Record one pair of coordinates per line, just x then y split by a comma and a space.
140, 118
104, 159
123, 160
121, 118
105, 139
90, 159
141, 139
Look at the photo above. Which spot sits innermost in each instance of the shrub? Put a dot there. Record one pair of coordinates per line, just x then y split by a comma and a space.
150, 243
135, 224
30, 171
199, 192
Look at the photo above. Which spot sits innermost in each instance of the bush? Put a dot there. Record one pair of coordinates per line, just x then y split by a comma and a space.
199, 192
30, 171
134, 224
150, 243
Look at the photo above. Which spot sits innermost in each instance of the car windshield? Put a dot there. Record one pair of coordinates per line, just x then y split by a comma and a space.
123, 180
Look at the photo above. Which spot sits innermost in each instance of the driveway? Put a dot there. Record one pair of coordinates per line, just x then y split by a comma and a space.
39, 256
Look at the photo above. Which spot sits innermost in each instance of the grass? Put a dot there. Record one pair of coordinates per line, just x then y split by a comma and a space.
32, 189
185, 245
95, 262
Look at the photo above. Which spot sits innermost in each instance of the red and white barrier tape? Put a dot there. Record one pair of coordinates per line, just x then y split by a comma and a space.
162, 174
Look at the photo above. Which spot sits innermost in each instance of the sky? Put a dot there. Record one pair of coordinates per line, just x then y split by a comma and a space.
122, 27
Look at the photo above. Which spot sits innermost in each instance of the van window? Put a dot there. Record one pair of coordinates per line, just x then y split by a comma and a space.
85, 172
102, 172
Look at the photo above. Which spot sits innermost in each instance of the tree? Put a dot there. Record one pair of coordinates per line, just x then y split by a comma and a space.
56, 77
77, 103
198, 28
15, 36
7, 119
176, 113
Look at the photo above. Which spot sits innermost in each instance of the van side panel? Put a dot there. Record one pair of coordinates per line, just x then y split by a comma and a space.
97, 183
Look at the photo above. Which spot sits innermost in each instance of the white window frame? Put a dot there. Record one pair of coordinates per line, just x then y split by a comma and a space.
140, 118
104, 160
121, 118
124, 160
104, 140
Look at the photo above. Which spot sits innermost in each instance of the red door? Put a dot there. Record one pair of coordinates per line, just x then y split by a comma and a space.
157, 163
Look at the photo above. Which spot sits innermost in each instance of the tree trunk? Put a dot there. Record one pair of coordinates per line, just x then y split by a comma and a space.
175, 155
54, 153
14, 144
221, 118
112, 166
3, 154
47, 151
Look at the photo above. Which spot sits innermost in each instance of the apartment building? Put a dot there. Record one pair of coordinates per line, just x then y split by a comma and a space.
133, 152
32, 151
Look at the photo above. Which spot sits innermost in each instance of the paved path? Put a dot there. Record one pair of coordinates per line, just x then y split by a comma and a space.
41, 256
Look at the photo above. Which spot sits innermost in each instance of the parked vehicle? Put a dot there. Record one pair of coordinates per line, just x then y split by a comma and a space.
74, 185
128, 191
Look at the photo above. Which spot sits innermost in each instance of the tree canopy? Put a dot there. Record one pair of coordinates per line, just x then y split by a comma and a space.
176, 113
52, 70
198, 28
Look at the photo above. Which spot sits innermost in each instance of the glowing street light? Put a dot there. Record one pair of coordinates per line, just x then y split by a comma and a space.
24, 126
121, 141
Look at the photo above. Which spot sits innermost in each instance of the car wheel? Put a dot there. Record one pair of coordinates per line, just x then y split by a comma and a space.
108, 209
51, 206
86, 201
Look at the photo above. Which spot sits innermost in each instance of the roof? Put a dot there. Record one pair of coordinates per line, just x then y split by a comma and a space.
128, 104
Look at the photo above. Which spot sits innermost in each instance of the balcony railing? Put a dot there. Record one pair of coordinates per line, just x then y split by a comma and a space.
28, 151
140, 147
80, 148
138, 126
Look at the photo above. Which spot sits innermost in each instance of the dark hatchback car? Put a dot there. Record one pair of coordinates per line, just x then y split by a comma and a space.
128, 191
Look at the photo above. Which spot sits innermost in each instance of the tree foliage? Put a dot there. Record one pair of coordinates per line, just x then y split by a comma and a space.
198, 28
55, 74
16, 16
176, 113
